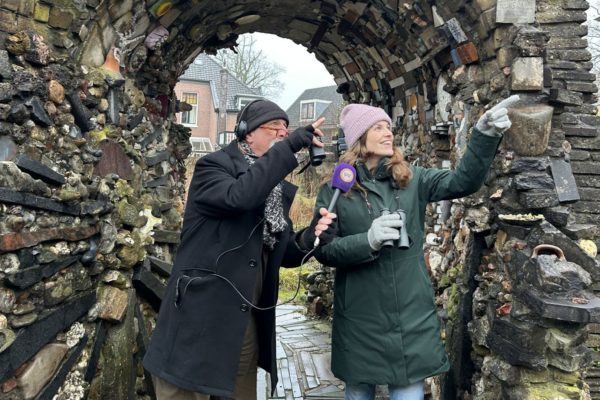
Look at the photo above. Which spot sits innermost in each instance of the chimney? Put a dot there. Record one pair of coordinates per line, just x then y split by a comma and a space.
222, 117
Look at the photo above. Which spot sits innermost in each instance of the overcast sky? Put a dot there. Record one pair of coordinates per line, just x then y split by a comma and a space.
303, 71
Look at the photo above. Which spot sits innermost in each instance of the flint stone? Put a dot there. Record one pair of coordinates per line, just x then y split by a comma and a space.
151, 137
6, 70
529, 181
164, 236
561, 341
529, 165
557, 216
157, 158
560, 309
38, 113
162, 181
33, 337
546, 233
112, 303
96, 207
56, 92
518, 343
6, 92
39, 171
26, 277
538, 199
15, 241
50, 390
135, 120
80, 112
41, 368
572, 360
531, 41
12, 177
501, 369
159, 266
29, 200
18, 114
554, 276
149, 287
28, 83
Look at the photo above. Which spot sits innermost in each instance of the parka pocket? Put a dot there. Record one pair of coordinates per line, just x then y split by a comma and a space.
191, 278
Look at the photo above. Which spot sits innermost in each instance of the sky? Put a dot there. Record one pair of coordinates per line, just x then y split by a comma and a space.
303, 70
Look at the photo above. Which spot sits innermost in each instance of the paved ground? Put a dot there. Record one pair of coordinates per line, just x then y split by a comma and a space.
303, 359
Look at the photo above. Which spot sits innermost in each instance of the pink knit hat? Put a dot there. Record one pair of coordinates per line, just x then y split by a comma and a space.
356, 119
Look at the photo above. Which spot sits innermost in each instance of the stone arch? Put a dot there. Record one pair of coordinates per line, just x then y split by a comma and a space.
92, 178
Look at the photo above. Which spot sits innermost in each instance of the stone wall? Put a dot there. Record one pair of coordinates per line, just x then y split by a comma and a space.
92, 177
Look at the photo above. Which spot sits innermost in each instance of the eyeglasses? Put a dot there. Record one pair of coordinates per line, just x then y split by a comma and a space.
285, 129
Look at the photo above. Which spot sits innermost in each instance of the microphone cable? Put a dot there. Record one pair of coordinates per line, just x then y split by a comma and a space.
180, 295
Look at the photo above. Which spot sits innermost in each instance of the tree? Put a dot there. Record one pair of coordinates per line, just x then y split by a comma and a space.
249, 64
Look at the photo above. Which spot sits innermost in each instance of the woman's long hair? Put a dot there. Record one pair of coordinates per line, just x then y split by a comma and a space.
400, 169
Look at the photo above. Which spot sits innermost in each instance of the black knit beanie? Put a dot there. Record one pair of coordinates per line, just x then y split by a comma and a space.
256, 114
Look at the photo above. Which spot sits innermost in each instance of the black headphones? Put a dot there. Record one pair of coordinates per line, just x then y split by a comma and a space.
241, 126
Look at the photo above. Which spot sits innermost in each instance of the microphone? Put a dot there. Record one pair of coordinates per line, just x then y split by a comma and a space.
344, 176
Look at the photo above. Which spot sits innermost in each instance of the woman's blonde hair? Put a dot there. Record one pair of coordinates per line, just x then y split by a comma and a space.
400, 169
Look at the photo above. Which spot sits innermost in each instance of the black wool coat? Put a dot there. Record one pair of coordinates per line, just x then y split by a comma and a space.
198, 337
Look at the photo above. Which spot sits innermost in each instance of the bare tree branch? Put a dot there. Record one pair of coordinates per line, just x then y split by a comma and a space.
251, 66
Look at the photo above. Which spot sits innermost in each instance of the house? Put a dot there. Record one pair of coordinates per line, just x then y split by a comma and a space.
315, 103
215, 97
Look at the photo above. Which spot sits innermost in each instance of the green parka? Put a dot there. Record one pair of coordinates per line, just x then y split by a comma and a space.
385, 325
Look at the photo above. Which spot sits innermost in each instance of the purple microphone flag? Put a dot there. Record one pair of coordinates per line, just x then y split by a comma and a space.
344, 176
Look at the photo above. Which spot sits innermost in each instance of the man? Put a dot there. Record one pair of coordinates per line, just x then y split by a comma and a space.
217, 319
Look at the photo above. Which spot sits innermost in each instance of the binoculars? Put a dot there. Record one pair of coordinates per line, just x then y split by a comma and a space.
404, 241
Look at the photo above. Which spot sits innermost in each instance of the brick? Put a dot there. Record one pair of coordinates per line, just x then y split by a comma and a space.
584, 87
61, 19
569, 55
12, 5
567, 97
8, 21
574, 75
580, 130
566, 43
552, 17
575, 5
15, 241
24, 23
41, 13
26, 7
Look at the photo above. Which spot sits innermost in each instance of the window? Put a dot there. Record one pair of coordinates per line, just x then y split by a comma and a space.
201, 145
307, 110
225, 138
243, 102
190, 118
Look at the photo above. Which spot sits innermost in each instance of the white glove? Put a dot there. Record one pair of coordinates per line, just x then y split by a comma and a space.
384, 228
495, 120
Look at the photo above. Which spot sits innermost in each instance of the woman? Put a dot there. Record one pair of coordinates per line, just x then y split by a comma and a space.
385, 326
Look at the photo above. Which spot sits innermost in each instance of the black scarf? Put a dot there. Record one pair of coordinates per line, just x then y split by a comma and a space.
274, 220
